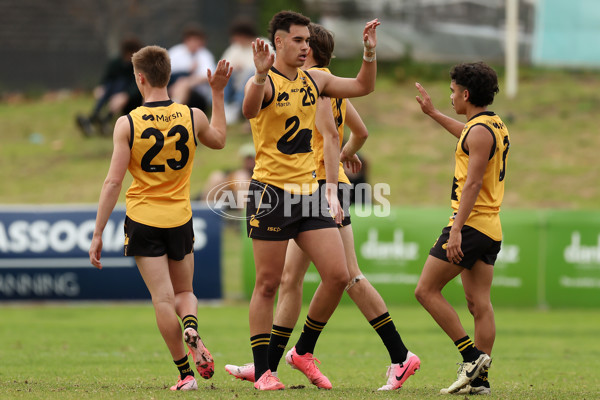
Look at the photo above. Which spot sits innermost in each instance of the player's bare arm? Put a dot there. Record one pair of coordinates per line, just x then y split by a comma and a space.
112, 186
214, 135
358, 137
364, 83
331, 154
257, 88
479, 143
452, 125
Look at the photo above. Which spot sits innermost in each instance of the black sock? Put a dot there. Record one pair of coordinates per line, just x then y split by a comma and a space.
279, 339
309, 336
190, 321
482, 379
260, 347
467, 349
385, 328
183, 366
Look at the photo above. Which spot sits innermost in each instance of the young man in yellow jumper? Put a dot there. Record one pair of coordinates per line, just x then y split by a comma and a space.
156, 143
470, 243
404, 363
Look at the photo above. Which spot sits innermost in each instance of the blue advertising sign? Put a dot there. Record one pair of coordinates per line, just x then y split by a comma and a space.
44, 255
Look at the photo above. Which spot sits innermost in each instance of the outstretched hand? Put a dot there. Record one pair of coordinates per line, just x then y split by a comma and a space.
369, 34
263, 57
424, 101
219, 79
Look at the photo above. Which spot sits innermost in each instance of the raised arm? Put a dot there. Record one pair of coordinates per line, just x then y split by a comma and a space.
331, 154
358, 137
257, 89
452, 125
364, 83
112, 186
214, 135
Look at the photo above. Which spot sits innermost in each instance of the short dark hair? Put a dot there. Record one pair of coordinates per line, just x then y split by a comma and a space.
154, 62
193, 30
321, 43
130, 45
243, 27
283, 20
480, 79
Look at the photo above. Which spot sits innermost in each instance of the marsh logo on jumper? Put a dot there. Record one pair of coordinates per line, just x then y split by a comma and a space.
229, 199
283, 100
147, 117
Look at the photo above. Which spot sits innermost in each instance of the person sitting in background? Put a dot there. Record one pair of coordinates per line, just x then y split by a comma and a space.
117, 90
239, 53
190, 60
231, 180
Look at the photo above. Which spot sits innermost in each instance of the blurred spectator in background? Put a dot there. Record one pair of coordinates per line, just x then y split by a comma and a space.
189, 62
231, 180
239, 54
117, 91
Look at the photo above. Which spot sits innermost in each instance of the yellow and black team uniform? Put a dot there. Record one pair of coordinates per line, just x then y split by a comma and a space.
284, 195
159, 213
338, 107
482, 232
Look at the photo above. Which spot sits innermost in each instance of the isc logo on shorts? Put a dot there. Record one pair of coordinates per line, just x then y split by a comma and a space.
273, 229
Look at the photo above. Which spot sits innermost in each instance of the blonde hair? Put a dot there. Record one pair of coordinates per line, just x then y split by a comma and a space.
154, 62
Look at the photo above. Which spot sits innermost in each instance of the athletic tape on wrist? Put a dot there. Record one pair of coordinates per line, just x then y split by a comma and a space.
259, 79
369, 53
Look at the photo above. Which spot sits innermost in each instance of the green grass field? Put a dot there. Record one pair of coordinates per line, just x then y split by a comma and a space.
114, 351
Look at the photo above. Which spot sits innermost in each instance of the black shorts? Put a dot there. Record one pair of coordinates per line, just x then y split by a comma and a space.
274, 214
344, 196
149, 241
475, 246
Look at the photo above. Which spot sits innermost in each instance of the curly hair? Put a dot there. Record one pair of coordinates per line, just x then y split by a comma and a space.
283, 20
480, 79
321, 43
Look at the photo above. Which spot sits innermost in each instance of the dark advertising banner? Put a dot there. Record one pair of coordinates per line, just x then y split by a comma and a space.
44, 255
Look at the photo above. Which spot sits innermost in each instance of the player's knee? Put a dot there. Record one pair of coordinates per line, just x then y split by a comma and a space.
478, 307
267, 287
421, 294
290, 283
344, 278
355, 281
471, 306
267, 290
337, 280
163, 300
